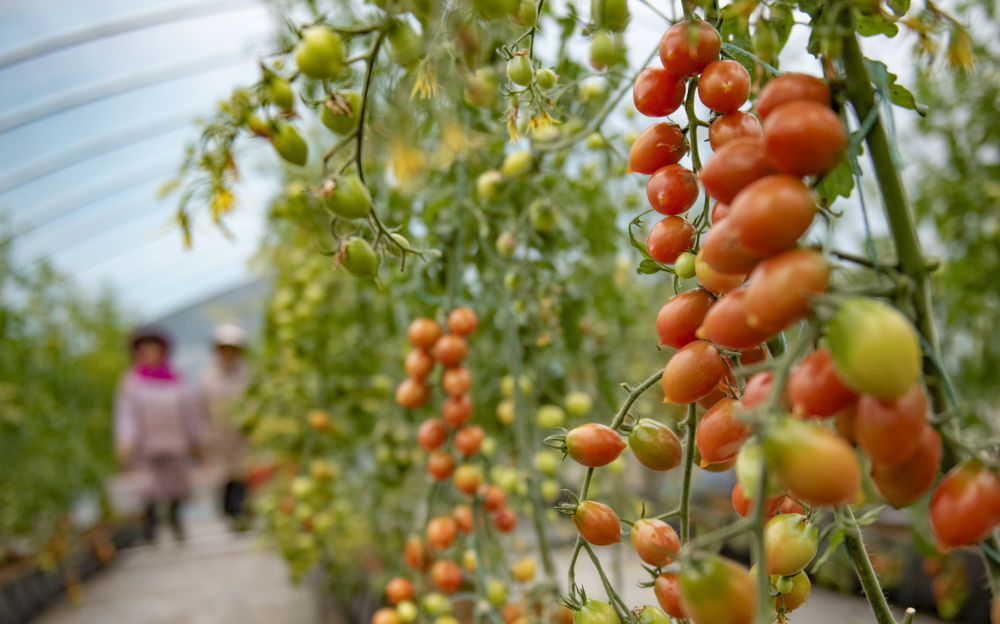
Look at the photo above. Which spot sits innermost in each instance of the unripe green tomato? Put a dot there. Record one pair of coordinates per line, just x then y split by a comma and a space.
494, 9
488, 447
481, 88
516, 164
506, 243
505, 411
603, 51
258, 126
547, 462
407, 611
289, 143
543, 216
280, 92
405, 46
789, 544
595, 612
511, 280
395, 249
796, 595
320, 53
610, 14
527, 13
488, 184
578, 403
345, 118
550, 490
783, 584
360, 258
507, 385
593, 88
684, 265
349, 198
436, 603
302, 486
496, 592
652, 615
546, 78
519, 70
631, 135
445, 619
548, 134
749, 460
617, 466
550, 416
596, 141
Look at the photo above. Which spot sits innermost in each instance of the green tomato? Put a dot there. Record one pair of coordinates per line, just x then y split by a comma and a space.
494, 9
496, 592
652, 615
489, 184
516, 164
875, 348
519, 70
578, 403
593, 88
550, 490
717, 590
405, 46
603, 51
789, 543
399, 238
543, 216
445, 619
489, 446
320, 53
506, 243
505, 411
511, 280
527, 13
407, 611
794, 591
340, 113
359, 258
349, 198
595, 612
684, 265
596, 141
550, 416
749, 460
655, 445
436, 603
289, 144
548, 134
546, 78
302, 486
280, 92
610, 14
481, 88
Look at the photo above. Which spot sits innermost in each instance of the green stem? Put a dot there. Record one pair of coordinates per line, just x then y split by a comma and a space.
757, 546
693, 121
863, 567
619, 605
571, 575
691, 424
633, 395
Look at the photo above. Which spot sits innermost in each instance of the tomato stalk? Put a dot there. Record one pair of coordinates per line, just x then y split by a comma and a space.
691, 423
863, 566
693, 123
477, 517
616, 601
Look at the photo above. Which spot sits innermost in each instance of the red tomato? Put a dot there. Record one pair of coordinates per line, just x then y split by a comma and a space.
668, 594
457, 410
815, 464
594, 445
719, 212
734, 166
732, 126
657, 93
715, 590
450, 350
597, 523
790, 87
659, 145
772, 213
789, 505
414, 554
692, 372
440, 465
441, 532
814, 387
672, 189
505, 519
468, 440
468, 478
386, 615
744, 505
905, 482
423, 333
722, 250
399, 589
493, 498
456, 381
965, 507
655, 542
463, 518
724, 86
431, 434
748, 356
713, 280
889, 431
804, 138
412, 393
681, 316
721, 432
688, 47
655, 445
781, 287
419, 364
447, 576
846, 421
726, 323
669, 238
462, 321
713, 397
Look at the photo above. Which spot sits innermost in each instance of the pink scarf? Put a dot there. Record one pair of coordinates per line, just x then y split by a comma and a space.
163, 372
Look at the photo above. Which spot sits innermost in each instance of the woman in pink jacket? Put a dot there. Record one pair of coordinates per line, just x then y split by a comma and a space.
157, 429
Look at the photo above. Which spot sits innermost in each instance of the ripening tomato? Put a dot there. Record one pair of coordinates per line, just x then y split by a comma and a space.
468, 478
732, 126
594, 445
450, 350
815, 464
815, 389
692, 372
744, 505
791, 87
726, 324
713, 280
463, 518
719, 212
414, 554
456, 381
889, 431
672, 189
846, 421
688, 47
494, 498
423, 333
772, 213
447, 576
462, 321
905, 482
655, 541
757, 390
505, 519
412, 393
597, 523
965, 507
399, 589
657, 93
781, 288
386, 615
669, 238
659, 145
804, 138
655, 445
721, 432
595, 612
724, 86
668, 594
650, 615
734, 166
796, 596
441, 532
468, 440
431, 434
681, 316
790, 543
722, 250
715, 590
419, 364
440, 465
456, 410
713, 397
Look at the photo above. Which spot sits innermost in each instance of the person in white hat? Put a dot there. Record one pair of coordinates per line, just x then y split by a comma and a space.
223, 382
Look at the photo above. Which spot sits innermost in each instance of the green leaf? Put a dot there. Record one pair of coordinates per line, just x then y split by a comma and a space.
648, 267
871, 25
836, 539
836, 183
885, 82
899, 7
781, 19
870, 516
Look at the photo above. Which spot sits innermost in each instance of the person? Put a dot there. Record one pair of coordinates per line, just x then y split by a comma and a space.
157, 429
223, 382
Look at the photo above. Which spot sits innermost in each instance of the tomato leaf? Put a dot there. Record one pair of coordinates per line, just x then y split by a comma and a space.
870, 516
648, 267
836, 183
871, 25
899, 7
888, 88
836, 539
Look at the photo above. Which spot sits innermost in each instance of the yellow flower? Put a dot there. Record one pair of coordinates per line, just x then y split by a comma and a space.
541, 120
222, 203
426, 85
960, 49
408, 162
512, 125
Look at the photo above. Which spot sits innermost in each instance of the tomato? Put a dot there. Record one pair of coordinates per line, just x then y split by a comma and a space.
889, 431
905, 482
781, 288
468, 478
815, 464
720, 466
423, 333
595, 612
463, 519
456, 381
668, 594
348, 197
719, 212
791, 87
431, 434
717, 591
496, 592
505, 519
597, 523
732, 126
726, 323
651, 615
733, 167
655, 542
603, 50
655, 445
772, 213
550, 416
462, 321
721, 432
713, 280
341, 112
688, 47
672, 189
713, 397
796, 596
692, 372
875, 348
724, 86
685, 265
546, 78
399, 589
436, 603
414, 554
804, 138
846, 421
405, 46
594, 445
965, 507
722, 250
681, 316
657, 93
386, 615
450, 350
320, 53
412, 393
669, 238
790, 543
456, 410
419, 364
757, 390
519, 70
493, 498
441, 532
468, 440
659, 145
744, 505
523, 570
358, 257
440, 465
289, 143
815, 389
446, 575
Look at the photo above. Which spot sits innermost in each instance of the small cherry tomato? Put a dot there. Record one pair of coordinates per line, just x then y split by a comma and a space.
414, 554
494, 498
456, 381
441, 532
597, 523
450, 350
692, 372
688, 47
721, 432
423, 333
386, 615
732, 126
815, 464
733, 167
419, 364
722, 250
781, 288
889, 431
431, 434
462, 321
717, 591
595, 612
657, 93
505, 519
815, 389
446, 575
790, 87
672, 189
758, 390
440, 465
399, 589
468, 478
804, 138
790, 543
655, 542
456, 410
468, 440
724, 86
412, 393
681, 316
655, 445
668, 594
463, 519
905, 482
669, 238
594, 445
726, 323
716, 281
659, 145
772, 213
965, 507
